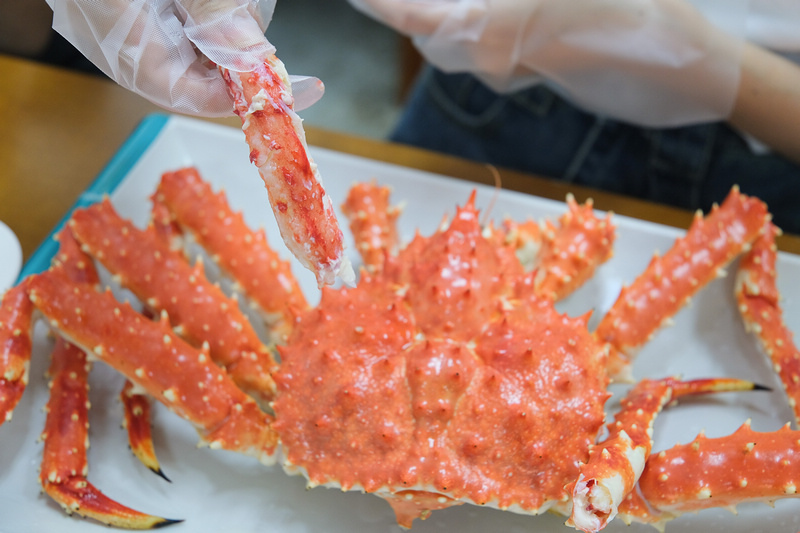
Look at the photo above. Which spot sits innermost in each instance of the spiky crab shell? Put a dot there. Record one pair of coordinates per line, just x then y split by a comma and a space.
443, 373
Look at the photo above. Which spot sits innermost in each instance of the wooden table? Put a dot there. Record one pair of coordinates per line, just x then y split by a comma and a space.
60, 128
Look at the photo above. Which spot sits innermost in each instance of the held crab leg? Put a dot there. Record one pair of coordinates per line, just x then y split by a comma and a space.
163, 280
240, 252
15, 348
304, 212
615, 464
159, 362
699, 475
759, 305
373, 223
670, 280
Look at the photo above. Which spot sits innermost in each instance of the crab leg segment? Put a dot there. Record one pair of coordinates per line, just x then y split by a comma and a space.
373, 222
615, 464
304, 212
566, 255
163, 280
759, 305
137, 422
15, 348
64, 465
670, 280
720, 472
78, 267
243, 254
159, 362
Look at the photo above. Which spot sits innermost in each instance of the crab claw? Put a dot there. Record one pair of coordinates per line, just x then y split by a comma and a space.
64, 463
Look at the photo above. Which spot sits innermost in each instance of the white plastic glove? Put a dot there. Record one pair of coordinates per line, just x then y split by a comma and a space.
166, 50
650, 62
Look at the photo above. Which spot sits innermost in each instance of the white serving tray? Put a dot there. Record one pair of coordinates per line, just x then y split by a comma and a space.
221, 491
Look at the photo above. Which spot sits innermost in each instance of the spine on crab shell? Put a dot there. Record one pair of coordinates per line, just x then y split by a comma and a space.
242, 254
274, 133
164, 281
615, 465
564, 255
760, 308
158, 362
373, 223
747, 466
672, 279
15, 347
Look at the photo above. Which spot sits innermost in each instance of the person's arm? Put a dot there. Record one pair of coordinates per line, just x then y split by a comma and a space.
768, 101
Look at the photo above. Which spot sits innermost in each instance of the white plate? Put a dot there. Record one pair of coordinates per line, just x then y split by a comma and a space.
10, 257
221, 491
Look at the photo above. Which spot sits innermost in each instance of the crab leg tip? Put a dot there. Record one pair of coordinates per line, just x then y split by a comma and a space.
166, 522
161, 474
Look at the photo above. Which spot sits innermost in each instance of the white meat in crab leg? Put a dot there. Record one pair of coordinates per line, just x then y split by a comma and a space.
759, 305
304, 212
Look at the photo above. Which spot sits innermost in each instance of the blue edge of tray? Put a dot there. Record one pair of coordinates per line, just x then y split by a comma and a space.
105, 183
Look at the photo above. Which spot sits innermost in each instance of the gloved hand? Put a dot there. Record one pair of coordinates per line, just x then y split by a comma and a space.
166, 50
650, 62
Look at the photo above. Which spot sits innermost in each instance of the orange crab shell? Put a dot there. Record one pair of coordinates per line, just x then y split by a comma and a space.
443, 375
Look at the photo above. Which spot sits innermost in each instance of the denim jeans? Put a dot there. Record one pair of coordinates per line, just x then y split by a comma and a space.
537, 131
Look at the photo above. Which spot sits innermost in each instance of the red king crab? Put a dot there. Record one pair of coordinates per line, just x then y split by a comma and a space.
445, 377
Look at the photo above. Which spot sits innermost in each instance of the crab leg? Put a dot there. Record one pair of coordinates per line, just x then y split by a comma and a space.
15, 348
159, 362
615, 465
566, 255
137, 422
670, 280
304, 212
373, 222
241, 253
720, 472
759, 305
163, 280
64, 465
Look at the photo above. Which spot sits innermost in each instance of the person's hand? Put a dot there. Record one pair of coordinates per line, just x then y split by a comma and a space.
167, 50
652, 62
